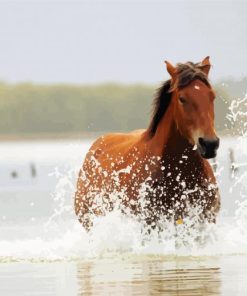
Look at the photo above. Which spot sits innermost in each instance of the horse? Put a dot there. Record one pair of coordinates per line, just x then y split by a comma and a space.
161, 171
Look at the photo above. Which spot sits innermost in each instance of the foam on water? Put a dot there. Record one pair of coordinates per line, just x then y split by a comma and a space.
60, 236
117, 235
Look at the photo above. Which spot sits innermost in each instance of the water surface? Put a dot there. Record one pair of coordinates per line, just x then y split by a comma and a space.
44, 250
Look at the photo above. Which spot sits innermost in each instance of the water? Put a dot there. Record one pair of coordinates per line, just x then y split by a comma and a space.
132, 276
44, 250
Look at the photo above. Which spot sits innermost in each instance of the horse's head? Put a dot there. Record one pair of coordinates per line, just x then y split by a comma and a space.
193, 101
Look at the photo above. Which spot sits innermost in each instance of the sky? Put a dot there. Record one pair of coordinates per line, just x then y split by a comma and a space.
119, 41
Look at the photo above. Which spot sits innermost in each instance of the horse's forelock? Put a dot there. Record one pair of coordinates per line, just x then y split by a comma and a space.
188, 72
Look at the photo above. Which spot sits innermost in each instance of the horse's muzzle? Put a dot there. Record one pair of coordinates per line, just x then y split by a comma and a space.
208, 147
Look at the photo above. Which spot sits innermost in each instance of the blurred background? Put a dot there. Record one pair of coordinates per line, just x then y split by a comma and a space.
75, 68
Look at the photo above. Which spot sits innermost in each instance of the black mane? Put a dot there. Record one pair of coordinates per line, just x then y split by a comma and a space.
186, 73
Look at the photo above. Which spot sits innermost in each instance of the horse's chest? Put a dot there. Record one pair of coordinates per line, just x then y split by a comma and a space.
178, 185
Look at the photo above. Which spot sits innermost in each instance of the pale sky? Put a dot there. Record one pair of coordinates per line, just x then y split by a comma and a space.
123, 41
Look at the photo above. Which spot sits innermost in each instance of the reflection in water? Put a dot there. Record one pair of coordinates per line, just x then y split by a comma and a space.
148, 278
138, 275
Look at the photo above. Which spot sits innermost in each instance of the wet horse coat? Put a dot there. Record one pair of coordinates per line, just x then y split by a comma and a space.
160, 171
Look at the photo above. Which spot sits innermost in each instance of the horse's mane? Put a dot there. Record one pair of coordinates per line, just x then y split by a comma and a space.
186, 73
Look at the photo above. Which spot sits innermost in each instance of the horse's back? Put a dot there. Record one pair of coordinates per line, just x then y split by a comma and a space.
115, 144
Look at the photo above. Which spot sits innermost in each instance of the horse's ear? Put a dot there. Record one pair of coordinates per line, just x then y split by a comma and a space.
205, 65
170, 69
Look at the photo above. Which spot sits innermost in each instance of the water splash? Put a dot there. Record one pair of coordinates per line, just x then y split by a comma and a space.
61, 237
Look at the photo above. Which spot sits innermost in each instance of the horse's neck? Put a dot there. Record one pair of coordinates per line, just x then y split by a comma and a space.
178, 159
167, 138
168, 143
177, 145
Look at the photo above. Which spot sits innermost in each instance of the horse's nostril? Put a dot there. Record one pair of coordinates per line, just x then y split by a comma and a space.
201, 141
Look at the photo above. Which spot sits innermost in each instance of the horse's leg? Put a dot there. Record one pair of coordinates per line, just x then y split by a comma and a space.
82, 211
82, 202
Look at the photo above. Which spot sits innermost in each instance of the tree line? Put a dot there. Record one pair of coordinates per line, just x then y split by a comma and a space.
28, 108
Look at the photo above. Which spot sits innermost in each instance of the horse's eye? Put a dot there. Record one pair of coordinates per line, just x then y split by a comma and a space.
182, 100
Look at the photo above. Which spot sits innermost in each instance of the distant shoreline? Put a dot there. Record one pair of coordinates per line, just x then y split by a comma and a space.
49, 136
72, 136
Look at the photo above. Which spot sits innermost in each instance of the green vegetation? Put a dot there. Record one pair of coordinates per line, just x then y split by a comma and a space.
35, 109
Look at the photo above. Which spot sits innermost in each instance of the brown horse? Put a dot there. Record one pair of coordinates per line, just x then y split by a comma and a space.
161, 171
